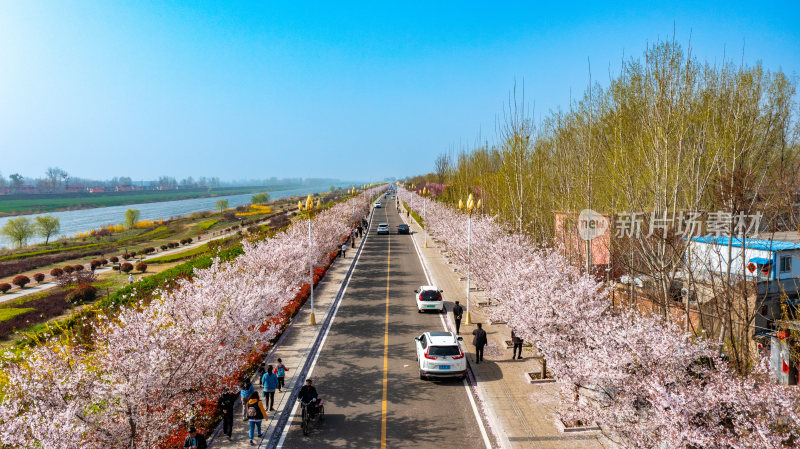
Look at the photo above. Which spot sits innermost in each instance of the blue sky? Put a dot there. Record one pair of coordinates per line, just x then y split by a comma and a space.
347, 90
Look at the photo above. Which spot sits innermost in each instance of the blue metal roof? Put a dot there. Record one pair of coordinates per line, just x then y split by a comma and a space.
761, 244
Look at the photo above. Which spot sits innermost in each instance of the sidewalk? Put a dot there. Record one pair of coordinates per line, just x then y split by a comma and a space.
523, 414
294, 348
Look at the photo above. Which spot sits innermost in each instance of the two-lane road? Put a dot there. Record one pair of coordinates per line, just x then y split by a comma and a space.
367, 373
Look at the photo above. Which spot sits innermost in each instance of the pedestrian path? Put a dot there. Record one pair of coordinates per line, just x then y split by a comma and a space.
522, 415
294, 347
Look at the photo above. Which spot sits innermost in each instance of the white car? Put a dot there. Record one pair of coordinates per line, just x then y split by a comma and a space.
440, 355
378, 205
383, 228
429, 297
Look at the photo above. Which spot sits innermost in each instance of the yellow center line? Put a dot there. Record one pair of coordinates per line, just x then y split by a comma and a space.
384, 402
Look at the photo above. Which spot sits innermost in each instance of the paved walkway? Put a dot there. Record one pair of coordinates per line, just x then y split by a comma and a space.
522, 414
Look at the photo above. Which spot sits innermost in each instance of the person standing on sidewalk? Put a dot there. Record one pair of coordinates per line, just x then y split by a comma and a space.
225, 405
517, 346
458, 312
270, 382
344, 250
255, 414
280, 370
479, 340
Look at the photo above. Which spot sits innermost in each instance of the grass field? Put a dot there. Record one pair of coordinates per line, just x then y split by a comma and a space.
8, 313
178, 256
25, 204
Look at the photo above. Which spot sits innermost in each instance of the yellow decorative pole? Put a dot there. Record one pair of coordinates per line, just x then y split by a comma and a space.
469, 208
425, 193
309, 207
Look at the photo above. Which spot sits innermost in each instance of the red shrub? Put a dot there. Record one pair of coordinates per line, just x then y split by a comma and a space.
126, 267
4, 287
39, 277
69, 269
78, 267
56, 272
141, 266
21, 281
114, 259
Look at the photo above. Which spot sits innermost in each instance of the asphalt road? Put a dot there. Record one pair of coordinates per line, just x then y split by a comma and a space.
362, 409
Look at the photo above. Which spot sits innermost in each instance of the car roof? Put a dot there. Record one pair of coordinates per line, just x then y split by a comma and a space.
403, 224
442, 338
429, 287
382, 224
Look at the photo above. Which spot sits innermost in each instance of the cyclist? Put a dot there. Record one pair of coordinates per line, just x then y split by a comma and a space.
308, 396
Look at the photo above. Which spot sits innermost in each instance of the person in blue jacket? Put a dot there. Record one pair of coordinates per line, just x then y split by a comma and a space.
270, 382
246, 389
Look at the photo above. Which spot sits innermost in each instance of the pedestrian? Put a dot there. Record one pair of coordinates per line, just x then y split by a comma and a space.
225, 405
260, 372
194, 440
280, 370
458, 312
246, 390
479, 340
517, 346
255, 414
270, 383
353, 239
130, 278
344, 250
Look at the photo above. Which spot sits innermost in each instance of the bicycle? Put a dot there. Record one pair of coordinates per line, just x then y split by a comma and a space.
307, 419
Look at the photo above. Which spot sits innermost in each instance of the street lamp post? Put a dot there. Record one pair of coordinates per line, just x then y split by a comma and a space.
309, 207
425, 192
469, 207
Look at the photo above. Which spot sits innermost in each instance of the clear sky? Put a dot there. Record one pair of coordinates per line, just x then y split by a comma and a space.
333, 89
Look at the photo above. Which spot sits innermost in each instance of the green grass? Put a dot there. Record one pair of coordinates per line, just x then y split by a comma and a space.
11, 312
204, 225
415, 215
179, 256
25, 299
84, 200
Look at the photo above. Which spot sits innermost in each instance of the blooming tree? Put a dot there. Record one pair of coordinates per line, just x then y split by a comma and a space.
153, 361
641, 377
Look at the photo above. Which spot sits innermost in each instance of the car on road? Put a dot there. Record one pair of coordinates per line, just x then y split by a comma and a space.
429, 297
439, 355
383, 228
378, 205
403, 229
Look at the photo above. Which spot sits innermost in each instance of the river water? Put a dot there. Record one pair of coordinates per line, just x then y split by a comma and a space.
84, 220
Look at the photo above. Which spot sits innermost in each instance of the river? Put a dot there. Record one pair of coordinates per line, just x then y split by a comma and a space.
84, 220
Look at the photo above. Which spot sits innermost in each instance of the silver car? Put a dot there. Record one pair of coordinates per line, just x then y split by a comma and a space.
383, 228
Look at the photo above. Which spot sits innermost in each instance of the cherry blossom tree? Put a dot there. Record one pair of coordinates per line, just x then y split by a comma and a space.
152, 362
642, 378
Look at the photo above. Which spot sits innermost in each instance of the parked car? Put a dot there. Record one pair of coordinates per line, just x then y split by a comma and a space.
403, 229
440, 355
383, 228
378, 205
429, 297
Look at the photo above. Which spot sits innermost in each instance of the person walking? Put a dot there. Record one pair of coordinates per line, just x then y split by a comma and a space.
353, 239
458, 312
479, 340
130, 278
195, 440
270, 382
246, 390
225, 405
517, 346
255, 414
280, 371
261, 370
344, 250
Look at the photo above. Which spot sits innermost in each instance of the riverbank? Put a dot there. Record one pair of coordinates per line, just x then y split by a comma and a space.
12, 205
